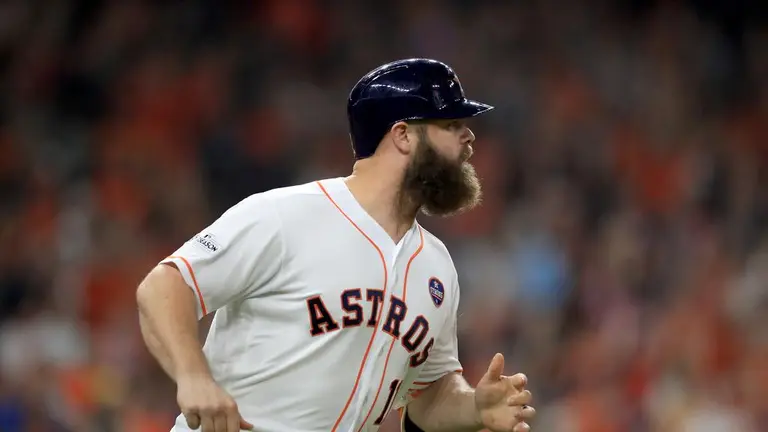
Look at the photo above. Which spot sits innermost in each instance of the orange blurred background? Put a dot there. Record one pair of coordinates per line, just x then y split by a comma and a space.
620, 258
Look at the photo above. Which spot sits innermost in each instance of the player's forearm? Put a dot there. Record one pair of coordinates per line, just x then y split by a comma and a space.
154, 345
169, 323
447, 405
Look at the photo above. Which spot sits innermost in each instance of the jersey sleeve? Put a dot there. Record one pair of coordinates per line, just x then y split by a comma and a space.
443, 359
234, 257
444, 356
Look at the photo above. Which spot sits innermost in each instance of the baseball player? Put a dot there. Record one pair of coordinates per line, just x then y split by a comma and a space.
333, 305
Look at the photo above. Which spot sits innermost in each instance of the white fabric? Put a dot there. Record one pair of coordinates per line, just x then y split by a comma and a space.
265, 261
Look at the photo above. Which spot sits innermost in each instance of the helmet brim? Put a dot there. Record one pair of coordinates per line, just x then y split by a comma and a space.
465, 109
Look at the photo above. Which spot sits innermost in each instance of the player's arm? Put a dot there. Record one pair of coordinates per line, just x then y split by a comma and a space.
169, 325
499, 403
445, 400
447, 405
234, 258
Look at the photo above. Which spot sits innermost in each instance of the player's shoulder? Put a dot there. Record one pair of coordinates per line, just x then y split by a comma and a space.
287, 195
302, 198
434, 244
271, 203
439, 258
298, 192
282, 194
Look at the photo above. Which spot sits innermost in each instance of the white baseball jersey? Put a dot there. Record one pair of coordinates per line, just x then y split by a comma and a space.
322, 322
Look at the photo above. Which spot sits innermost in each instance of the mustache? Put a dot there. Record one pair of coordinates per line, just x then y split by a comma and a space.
467, 153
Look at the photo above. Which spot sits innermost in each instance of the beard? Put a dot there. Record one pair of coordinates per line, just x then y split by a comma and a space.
437, 185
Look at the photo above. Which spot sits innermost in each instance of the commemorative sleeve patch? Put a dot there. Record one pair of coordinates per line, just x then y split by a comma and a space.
207, 242
436, 291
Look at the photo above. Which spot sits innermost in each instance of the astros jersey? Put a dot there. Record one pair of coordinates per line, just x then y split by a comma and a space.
323, 323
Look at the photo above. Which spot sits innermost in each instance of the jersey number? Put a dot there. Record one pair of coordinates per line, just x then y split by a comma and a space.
394, 386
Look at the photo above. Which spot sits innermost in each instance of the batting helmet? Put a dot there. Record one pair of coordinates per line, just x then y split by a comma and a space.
411, 89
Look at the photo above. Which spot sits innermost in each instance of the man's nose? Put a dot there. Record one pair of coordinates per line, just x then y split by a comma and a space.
469, 137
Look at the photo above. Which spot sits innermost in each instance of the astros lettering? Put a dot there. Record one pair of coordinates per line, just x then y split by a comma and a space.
352, 303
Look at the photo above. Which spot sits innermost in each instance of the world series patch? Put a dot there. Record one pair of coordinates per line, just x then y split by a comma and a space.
436, 291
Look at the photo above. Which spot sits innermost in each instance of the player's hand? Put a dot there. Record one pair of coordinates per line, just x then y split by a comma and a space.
502, 401
207, 406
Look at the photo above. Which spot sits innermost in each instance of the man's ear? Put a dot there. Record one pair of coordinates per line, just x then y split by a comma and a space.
403, 137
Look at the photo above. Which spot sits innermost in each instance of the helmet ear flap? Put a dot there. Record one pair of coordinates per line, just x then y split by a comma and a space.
367, 126
370, 119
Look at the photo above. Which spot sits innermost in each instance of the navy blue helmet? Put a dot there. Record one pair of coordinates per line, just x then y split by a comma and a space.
411, 89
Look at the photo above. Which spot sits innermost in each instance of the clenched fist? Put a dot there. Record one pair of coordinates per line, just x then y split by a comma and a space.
207, 406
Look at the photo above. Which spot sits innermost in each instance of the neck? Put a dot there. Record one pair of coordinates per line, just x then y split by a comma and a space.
379, 195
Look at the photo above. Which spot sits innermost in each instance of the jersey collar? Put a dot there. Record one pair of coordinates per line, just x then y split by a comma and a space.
342, 196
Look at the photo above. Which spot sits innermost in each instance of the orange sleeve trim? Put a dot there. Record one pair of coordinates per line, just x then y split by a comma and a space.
458, 371
194, 281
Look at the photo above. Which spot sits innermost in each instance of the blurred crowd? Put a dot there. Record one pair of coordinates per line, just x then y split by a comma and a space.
620, 258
